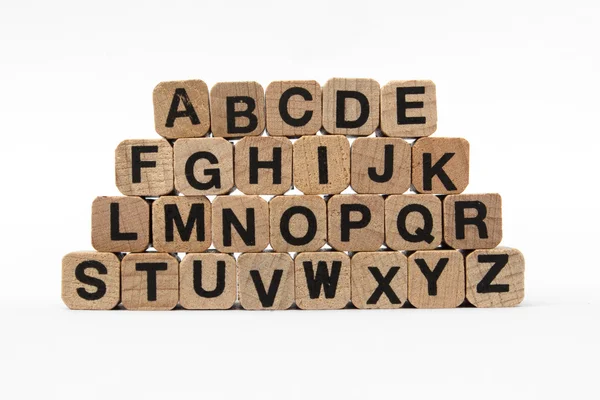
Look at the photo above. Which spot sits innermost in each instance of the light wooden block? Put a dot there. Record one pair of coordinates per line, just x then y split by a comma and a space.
293, 108
266, 281
237, 109
181, 224
144, 167
355, 222
149, 281
120, 224
351, 106
91, 280
263, 165
322, 280
380, 165
473, 221
440, 165
436, 279
240, 224
379, 279
408, 108
413, 222
203, 166
321, 164
181, 109
495, 277
207, 281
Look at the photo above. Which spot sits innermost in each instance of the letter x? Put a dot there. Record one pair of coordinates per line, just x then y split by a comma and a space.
383, 285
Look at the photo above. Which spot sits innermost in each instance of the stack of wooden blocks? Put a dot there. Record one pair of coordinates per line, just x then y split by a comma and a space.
385, 249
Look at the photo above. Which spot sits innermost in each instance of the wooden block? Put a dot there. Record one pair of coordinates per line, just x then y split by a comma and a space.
144, 167
91, 280
408, 109
149, 281
413, 222
237, 109
351, 106
379, 279
293, 108
240, 224
473, 221
495, 277
181, 224
298, 223
203, 166
380, 165
263, 165
181, 109
322, 280
207, 281
440, 165
436, 279
120, 224
266, 281
321, 164
355, 222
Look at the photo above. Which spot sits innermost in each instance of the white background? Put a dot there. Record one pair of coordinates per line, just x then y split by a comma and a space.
518, 79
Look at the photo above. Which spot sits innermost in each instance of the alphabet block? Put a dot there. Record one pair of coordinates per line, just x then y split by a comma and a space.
91, 280
473, 221
181, 224
440, 165
263, 165
413, 222
379, 279
380, 165
355, 222
266, 281
207, 281
436, 279
237, 109
322, 280
351, 106
181, 109
120, 224
408, 108
149, 281
495, 277
144, 167
293, 108
321, 164
240, 224
203, 166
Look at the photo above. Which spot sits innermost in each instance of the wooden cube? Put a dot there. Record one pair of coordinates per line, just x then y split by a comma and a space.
322, 280
203, 166
355, 222
293, 108
351, 106
298, 223
240, 224
413, 222
380, 165
440, 165
207, 281
120, 224
144, 167
321, 164
181, 224
266, 281
473, 221
149, 281
436, 279
91, 280
408, 109
495, 277
237, 109
379, 279
263, 165
181, 109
